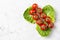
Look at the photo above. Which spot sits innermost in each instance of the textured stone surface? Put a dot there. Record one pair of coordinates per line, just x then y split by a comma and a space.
14, 27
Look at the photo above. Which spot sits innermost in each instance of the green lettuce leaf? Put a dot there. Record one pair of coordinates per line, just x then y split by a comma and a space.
51, 13
41, 32
27, 16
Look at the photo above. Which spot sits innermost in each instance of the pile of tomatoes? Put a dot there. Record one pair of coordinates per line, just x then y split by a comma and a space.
41, 18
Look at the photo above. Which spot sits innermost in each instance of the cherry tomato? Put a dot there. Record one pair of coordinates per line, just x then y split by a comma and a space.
39, 10
43, 27
43, 15
48, 20
34, 6
32, 12
50, 25
39, 21
35, 17
40, 13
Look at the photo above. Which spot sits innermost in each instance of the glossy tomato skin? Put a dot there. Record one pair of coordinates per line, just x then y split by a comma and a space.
32, 12
43, 15
43, 26
39, 22
50, 25
35, 17
34, 6
48, 19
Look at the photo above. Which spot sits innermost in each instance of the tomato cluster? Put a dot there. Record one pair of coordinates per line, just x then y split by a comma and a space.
41, 18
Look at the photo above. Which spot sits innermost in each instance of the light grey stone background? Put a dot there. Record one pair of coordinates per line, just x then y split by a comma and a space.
14, 27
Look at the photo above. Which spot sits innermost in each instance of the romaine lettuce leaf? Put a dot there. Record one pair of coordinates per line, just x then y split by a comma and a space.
41, 32
27, 16
50, 12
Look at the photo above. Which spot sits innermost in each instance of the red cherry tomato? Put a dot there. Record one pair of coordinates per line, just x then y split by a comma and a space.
43, 27
43, 15
34, 6
40, 13
39, 10
35, 17
32, 12
50, 25
39, 21
48, 20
